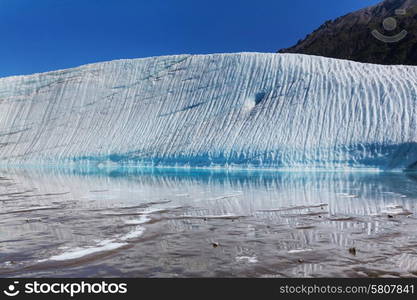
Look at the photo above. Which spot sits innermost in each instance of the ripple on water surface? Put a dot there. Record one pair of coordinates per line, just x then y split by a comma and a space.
165, 223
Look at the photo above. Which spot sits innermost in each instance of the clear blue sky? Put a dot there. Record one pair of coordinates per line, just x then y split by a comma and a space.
43, 35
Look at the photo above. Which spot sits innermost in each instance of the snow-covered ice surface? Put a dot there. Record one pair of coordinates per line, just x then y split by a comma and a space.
245, 110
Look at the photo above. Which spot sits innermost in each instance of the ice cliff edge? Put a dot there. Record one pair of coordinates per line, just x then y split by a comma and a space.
245, 109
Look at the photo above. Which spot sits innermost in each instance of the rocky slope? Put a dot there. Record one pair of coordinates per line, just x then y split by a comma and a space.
384, 34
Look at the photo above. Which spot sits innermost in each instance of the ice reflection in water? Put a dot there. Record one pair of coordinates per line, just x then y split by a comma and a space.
164, 223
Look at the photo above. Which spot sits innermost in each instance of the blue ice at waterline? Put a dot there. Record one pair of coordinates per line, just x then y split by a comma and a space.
244, 110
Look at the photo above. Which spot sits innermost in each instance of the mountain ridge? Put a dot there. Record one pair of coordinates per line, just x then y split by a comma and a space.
360, 35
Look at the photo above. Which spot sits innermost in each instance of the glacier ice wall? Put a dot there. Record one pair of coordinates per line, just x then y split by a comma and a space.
247, 109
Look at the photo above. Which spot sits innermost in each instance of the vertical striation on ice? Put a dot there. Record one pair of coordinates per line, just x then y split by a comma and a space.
246, 109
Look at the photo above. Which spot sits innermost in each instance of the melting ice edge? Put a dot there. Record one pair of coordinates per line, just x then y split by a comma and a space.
222, 110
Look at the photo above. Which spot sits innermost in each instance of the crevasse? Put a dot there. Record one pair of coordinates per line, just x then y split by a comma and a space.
245, 110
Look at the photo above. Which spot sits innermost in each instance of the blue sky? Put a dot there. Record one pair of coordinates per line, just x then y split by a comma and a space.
43, 35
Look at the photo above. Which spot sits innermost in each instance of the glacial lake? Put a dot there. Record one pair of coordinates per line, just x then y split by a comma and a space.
206, 223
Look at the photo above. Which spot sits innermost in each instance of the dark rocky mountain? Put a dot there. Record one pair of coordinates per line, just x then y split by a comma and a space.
384, 34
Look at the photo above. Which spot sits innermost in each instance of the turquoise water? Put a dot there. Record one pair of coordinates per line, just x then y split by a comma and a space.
206, 223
